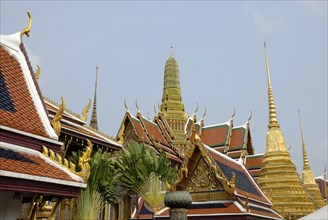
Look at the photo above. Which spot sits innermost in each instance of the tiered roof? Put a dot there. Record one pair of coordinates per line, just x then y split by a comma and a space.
220, 186
236, 142
253, 164
154, 133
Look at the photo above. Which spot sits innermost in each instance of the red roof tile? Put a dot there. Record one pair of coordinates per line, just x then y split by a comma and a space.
237, 138
25, 116
215, 135
31, 164
254, 161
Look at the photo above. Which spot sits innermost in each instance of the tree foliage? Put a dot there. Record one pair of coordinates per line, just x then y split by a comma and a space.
137, 162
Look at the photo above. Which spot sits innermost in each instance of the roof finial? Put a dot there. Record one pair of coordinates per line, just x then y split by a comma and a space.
94, 121
250, 116
196, 108
137, 106
126, 107
155, 109
234, 113
28, 28
37, 74
85, 111
305, 156
273, 122
171, 52
204, 113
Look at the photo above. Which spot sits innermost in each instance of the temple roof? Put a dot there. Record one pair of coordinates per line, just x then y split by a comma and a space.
152, 133
24, 163
244, 183
253, 164
25, 129
72, 124
22, 106
235, 141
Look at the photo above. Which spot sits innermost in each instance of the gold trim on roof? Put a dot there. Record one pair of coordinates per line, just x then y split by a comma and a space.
26, 31
85, 111
59, 115
126, 107
37, 74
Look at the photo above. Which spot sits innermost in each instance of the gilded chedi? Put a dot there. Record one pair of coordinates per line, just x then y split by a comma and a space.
172, 105
308, 177
279, 179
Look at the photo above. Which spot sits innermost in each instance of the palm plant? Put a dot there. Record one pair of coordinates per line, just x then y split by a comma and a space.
142, 169
102, 185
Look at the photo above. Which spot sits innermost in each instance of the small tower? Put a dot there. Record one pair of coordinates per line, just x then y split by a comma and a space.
307, 175
172, 105
278, 173
93, 120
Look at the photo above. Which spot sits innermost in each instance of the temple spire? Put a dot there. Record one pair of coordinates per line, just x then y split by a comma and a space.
172, 105
94, 121
278, 176
305, 156
307, 175
273, 122
171, 52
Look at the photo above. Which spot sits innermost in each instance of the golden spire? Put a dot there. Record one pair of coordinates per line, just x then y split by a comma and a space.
171, 52
273, 122
28, 28
278, 172
94, 121
172, 105
305, 156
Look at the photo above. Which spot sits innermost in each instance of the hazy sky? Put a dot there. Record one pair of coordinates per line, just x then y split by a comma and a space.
219, 48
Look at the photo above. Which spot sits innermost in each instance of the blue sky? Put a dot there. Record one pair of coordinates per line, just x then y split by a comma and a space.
219, 48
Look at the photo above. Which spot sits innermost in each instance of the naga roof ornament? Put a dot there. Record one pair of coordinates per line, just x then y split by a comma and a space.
59, 115
37, 74
85, 111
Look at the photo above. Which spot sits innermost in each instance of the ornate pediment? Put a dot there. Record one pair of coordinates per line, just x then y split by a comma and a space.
203, 179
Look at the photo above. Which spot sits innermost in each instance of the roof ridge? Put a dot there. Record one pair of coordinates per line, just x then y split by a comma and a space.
99, 132
58, 105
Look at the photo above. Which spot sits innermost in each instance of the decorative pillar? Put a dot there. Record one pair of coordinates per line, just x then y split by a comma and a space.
178, 202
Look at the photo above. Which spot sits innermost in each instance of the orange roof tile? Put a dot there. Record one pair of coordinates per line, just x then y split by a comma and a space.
31, 164
237, 138
215, 135
24, 117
